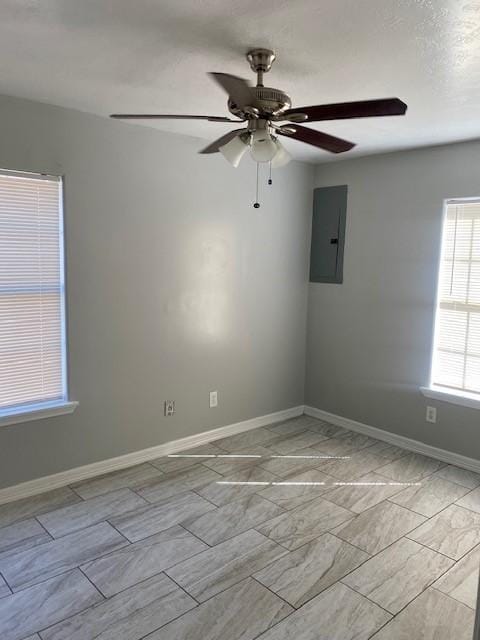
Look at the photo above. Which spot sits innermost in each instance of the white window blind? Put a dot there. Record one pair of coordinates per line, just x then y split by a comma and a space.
456, 358
32, 327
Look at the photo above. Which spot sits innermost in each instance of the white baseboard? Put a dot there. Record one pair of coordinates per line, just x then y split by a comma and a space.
47, 483
400, 441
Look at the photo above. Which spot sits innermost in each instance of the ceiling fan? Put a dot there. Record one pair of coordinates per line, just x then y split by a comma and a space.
264, 109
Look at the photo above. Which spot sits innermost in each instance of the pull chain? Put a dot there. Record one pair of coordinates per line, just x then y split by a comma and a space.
270, 172
256, 204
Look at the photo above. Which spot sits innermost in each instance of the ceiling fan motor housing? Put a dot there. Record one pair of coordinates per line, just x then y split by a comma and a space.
268, 100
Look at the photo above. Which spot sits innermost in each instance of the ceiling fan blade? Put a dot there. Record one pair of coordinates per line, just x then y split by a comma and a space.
345, 110
238, 89
318, 139
214, 147
161, 116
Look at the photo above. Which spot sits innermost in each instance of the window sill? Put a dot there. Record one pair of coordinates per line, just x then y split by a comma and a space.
462, 398
36, 412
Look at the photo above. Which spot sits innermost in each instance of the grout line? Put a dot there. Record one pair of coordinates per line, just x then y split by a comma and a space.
45, 529
73, 490
92, 583
372, 637
182, 588
43, 580
181, 525
195, 491
251, 577
119, 532
8, 585
407, 535
392, 615
451, 597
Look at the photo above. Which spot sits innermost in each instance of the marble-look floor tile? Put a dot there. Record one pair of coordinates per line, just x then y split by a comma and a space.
411, 468
363, 493
452, 532
237, 485
303, 574
292, 491
184, 459
130, 615
340, 445
295, 441
294, 424
88, 512
461, 581
460, 476
4, 590
305, 420
152, 519
224, 565
431, 616
22, 535
228, 463
344, 444
355, 466
388, 451
289, 427
336, 614
471, 500
34, 506
173, 483
58, 556
136, 562
327, 429
304, 523
240, 613
359, 440
232, 519
429, 496
252, 438
295, 462
377, 528
44, 604
397, 575
130, 477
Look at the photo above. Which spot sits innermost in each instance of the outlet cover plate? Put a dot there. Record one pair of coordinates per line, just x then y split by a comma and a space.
169, 407
213, 399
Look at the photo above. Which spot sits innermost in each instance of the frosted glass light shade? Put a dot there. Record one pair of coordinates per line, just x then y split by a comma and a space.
263, 148
233, 151
282, 157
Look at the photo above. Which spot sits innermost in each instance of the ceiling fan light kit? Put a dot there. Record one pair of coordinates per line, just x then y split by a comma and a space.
264, 109
234, 150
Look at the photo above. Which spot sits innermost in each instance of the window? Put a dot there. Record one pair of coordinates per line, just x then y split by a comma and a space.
32, 295
456, 355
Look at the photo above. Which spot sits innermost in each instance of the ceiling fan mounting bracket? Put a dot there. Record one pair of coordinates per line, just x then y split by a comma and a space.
260, 59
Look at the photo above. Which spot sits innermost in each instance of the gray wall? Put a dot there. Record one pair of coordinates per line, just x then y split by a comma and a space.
176, 286
369, 339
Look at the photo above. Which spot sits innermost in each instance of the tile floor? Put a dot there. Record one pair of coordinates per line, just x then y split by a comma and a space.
297, 530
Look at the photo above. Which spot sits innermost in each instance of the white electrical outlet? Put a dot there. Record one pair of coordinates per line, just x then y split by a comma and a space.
431, 415
169, 407
213, 399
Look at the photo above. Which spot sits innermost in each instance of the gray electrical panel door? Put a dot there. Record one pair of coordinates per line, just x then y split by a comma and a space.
328, 234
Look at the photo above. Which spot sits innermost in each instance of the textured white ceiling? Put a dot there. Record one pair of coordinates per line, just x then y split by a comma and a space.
103, 56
